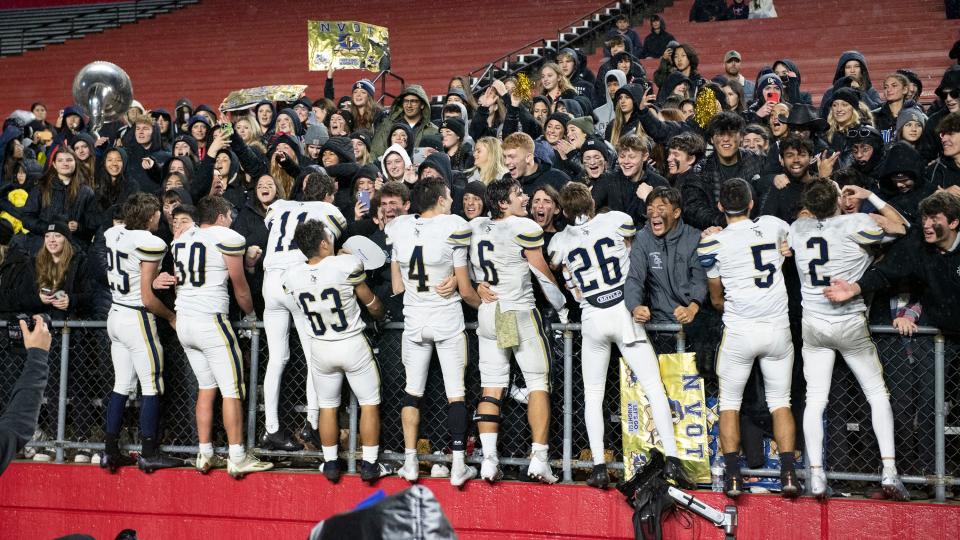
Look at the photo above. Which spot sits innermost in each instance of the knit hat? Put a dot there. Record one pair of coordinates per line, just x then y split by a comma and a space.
347, 118
912, 114
456, 126
367, 171
456, 92
849, 95
58, 227
191, 142
673, 44
366, 86
596, 143
317, 134
198, 118
342, 147
563, 118
432, 141
362, 135
584, 123
476, 188
770, 79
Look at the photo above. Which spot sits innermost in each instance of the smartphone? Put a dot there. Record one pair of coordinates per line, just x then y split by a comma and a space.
771, 95
364, 198
59, 295
419, 154
46, 291
226, 128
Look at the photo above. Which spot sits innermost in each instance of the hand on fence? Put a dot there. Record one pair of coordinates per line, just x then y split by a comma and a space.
641, 314
39, 338
905, 326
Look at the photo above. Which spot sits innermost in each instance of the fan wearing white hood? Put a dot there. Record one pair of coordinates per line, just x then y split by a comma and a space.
615, 79
396, 164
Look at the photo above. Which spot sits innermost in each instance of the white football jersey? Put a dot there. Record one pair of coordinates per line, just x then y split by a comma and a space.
595, 253
832, 248
125, 251
202, 270
282, 219
324, 292
427, 251
496, 254
746, 257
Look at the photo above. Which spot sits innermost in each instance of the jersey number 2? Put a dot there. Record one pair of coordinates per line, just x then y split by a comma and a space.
821, 243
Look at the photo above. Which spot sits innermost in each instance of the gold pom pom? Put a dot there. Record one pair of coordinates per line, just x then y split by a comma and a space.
524, 87
705, 108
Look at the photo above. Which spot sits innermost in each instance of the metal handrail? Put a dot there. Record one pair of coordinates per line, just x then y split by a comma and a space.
383, 77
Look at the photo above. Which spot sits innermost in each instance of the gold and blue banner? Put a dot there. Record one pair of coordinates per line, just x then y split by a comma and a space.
685, 392
346, 45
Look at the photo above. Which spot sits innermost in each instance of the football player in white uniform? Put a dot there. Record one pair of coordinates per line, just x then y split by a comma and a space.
503, 249
594, 251
133, 257
428, 249
329, 289
828, 247
280, 254
205, 257
743, 263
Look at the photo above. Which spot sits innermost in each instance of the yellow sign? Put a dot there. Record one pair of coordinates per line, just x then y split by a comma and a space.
346, 45
684, 388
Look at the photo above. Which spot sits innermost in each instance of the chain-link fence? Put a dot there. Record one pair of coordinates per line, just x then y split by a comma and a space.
919, 371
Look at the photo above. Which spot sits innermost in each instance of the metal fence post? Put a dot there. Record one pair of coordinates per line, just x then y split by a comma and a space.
352, 435
567, 404
938, 406
681, 341
62, 401
253, 397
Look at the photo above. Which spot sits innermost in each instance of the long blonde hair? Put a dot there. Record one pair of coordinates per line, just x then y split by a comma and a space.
280, 176
497, 167
254, 139
563, 83
835, 127
50, 274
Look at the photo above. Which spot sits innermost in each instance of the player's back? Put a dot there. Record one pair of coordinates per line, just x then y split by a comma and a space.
126, 249
596, 255
282, 220
746, 257
427, 250
496, 253
202, 270
832, 248
325, 293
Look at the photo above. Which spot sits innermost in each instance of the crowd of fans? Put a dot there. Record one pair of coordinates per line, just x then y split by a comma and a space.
620, 131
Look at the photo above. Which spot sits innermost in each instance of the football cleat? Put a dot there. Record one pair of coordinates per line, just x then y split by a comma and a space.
371, 472
892, 486
157, 462
332, 470
733, 485
279, 440
540, 470
410, 470
204, 463
674, 472
599, 477
249, 464
490, 470
818, 483
790, 486
112, 462
461, 473
309, 438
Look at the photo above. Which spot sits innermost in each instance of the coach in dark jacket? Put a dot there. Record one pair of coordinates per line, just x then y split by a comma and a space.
666, 283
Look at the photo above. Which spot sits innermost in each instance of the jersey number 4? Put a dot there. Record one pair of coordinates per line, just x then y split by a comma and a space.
194, 268
316, 320
119, 280
417, 271
609, 267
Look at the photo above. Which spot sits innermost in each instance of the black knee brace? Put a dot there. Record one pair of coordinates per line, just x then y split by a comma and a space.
410, 401
495, 418
457, 424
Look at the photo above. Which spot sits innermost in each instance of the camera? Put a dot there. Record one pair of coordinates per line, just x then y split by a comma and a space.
13, 327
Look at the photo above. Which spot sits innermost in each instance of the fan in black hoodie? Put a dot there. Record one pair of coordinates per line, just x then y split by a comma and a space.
236, 179
340, 163
658, 38
628, 124
841, 78
901, 180
144, 146
438, 164
791, 83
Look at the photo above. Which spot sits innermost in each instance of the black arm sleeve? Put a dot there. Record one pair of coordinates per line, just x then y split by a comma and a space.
19, 420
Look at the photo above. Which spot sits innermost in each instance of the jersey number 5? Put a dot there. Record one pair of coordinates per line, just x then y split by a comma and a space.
767, 280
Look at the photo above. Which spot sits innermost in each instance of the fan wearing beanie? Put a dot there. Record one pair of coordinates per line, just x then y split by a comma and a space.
452, 133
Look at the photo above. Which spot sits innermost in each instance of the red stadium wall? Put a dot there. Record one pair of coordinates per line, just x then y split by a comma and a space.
45, 501
31, 4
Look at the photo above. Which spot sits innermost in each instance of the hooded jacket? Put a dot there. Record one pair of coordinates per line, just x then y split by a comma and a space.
901, 157
870, 96
580, 83
929, 143
635, 93
792, 91
604, 113
943, 173
700, 196
394, 149
545, 174
83, 210
456, 181
673, 80
234, 192
656, 42
424, 126
615, 191
886, 122
665, 272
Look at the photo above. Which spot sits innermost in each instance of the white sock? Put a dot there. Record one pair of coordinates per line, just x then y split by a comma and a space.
329, 453
410, 453
370, 453
206, 449
237, 453
489, 443
540, 451
313, 416
889, 463
459, 458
